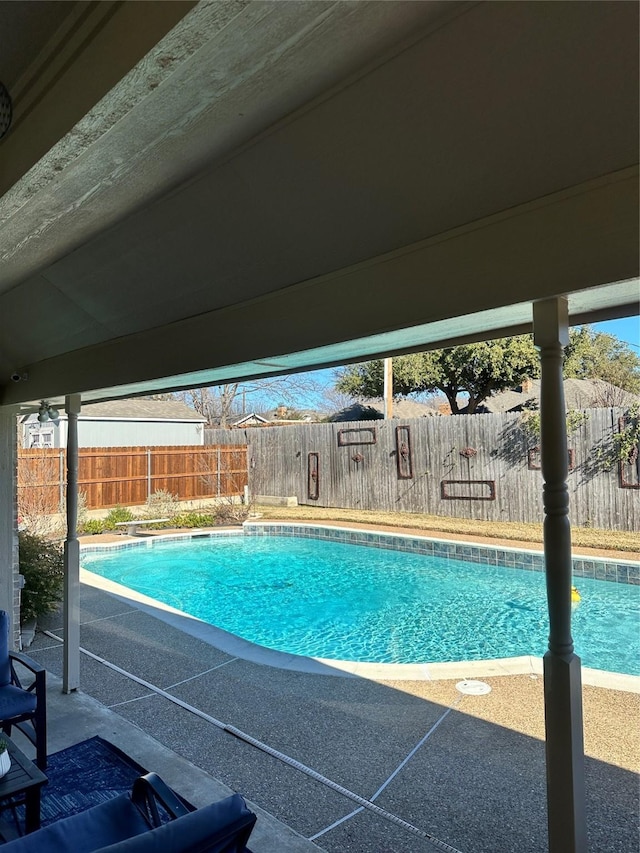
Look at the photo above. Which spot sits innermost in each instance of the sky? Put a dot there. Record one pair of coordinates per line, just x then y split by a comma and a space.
627, 330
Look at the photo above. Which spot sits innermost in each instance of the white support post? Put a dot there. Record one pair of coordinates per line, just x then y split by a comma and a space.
562, 679
9, 586
71, 664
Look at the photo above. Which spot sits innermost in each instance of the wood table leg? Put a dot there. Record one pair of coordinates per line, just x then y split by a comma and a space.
32, 809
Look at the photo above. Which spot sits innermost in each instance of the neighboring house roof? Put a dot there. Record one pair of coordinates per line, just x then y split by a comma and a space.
251, 418
578, 393
271, 419
138, 410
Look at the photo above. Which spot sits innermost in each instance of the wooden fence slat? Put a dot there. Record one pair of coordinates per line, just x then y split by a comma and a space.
111, 476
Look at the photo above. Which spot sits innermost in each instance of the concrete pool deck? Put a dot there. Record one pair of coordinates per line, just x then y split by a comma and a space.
466, 769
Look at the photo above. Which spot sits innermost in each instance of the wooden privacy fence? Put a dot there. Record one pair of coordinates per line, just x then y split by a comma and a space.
127, 476
469, 466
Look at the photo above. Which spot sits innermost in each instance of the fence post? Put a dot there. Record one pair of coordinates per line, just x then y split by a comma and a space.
219, 461
61, 481
148, 473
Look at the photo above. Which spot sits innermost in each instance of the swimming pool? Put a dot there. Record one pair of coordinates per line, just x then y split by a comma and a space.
335, 600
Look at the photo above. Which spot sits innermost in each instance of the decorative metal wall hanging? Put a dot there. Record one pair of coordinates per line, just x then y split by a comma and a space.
313, 476
629, 468
534, 462
448, 491
365, 435
404, 457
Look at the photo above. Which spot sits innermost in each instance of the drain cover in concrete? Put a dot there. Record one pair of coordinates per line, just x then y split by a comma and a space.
473, 688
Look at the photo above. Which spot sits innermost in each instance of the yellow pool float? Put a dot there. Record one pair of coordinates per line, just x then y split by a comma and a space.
575, 595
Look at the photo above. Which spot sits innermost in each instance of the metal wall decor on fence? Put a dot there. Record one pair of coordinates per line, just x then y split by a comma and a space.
534, 462
404, 461
360, 435
629, 468
471, 490
502, 444
313, 476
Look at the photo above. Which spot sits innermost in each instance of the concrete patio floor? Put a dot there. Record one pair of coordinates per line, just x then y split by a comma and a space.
476, 781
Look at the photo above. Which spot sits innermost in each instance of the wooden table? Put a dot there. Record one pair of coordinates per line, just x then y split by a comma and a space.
22, 784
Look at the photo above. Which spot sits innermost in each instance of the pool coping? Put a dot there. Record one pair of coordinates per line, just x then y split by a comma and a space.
246, 650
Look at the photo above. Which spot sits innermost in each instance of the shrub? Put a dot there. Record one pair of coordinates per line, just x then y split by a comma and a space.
93, 525
83, 510
231, 513
117, 514
162, 504
194, 519
42, 565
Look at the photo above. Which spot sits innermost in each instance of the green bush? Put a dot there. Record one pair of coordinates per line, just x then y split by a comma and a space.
194, 519
92, 525
116, 515
42, 565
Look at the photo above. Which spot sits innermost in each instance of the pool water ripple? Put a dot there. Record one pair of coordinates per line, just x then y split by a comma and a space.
351, 602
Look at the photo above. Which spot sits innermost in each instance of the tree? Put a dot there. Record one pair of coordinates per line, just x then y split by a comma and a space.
220, 402
477, 370
597, 355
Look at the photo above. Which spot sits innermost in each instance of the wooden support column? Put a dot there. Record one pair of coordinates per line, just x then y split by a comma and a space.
562, 679
71, 669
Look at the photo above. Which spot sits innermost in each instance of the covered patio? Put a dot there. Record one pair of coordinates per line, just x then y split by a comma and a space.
198, 193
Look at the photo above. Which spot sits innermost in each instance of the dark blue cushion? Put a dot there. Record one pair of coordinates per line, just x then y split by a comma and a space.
5, 665
116, 826
221, 827
14, 702
100, 826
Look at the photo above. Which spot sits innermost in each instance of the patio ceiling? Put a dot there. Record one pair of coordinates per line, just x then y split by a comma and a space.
199, 193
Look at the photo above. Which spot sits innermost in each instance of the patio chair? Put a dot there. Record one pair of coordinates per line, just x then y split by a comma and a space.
132, 823
22, 707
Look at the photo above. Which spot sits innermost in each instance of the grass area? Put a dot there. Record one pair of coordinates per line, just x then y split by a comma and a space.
583, 537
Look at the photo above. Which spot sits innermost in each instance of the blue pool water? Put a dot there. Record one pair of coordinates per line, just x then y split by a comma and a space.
351, 602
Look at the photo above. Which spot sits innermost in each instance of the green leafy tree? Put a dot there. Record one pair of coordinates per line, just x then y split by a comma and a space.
476, 370
596, 355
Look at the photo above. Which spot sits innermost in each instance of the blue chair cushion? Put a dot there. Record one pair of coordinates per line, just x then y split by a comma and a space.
117, 826
5, 664
221, 827
14, 701
100, 826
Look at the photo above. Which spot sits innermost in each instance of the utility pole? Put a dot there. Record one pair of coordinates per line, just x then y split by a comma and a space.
388, 388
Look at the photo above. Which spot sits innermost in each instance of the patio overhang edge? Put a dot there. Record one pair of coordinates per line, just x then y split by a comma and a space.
572, 243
